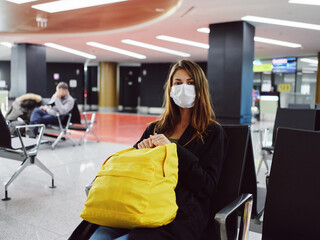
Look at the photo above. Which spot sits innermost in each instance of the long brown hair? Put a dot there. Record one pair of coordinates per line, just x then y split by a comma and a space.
202, 113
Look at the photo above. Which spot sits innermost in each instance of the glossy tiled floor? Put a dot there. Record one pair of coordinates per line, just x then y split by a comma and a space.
119, 128
38, 212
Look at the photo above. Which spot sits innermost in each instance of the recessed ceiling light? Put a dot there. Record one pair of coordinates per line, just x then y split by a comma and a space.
116, 50
66, 5
270, 41
204, 30
70, 50
281, 22
20, 1
308, 60
6, 44
156, 48
308, 2
183, 41
277, 42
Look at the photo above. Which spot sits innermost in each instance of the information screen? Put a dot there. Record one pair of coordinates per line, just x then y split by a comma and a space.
284, 65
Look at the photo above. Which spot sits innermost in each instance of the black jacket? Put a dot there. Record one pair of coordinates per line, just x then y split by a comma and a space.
200, 164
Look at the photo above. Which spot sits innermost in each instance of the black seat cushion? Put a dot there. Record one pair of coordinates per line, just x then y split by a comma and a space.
5, 139
292, 204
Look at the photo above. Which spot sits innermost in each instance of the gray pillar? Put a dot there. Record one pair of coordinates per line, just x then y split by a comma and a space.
28, 70
230, 71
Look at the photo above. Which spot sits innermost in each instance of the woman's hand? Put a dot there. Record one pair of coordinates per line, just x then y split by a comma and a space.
154, 141
146, 143
159, 139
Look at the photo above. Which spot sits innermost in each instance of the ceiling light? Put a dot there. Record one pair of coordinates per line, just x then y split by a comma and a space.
257, 62
156, 48
270, 41
204, 30
306, 71
6, 44
269, 98
281, 22
277, 42
117, 50
66, 5
70, 50
310, 69
41, 22
308, 60
308, 2
183, 41
20, 1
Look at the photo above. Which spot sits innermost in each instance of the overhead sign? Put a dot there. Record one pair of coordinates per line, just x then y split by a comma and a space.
265, 67
284, 87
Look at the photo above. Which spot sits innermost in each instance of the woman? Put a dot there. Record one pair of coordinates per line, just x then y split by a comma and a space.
189, 121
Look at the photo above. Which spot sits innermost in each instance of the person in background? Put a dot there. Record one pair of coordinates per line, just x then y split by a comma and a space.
60, 103
189, 121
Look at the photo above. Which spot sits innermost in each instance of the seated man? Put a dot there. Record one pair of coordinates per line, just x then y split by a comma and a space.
61, 102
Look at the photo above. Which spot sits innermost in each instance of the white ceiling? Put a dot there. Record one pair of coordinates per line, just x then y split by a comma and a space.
183, 23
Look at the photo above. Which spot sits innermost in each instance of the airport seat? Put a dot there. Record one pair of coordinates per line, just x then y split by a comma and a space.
60, 131
292, 206
21, 149
86, 126
306, 119
249, 184
229, 198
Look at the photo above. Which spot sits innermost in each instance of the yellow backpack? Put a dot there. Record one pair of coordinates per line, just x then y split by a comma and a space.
135, 188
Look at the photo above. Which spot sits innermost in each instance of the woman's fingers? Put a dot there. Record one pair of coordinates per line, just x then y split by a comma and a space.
154, 140
150, 143
146, 143
159, 139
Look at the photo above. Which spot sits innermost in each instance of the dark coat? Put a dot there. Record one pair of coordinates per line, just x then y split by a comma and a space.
200, 165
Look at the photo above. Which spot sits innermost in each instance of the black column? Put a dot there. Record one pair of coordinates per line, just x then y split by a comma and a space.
230, 71
28, 70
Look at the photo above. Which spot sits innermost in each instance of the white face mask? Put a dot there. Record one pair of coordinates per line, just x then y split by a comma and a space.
183, 95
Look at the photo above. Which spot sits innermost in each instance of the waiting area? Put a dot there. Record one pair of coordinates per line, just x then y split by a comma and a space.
37, 211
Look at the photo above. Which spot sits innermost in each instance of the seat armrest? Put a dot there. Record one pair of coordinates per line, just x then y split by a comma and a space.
86, 120
87, 188
41, 128
245, 199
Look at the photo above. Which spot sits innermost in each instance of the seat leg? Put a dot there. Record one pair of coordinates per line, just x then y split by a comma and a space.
57, 140
69, 137
95, 135
23, 165
263, 160
259, 166
84, 135
44, 168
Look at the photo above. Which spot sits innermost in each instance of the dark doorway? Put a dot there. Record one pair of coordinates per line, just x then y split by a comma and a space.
92, 87
129, 88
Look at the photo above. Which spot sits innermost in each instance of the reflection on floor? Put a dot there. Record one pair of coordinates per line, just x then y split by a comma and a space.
119, 128
38, 212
